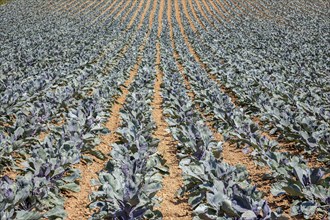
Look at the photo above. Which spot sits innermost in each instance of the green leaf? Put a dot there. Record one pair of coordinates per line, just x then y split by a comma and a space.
19, 132
98, 154
27, 215
277, 190
308, 208
88, 137
228, 209
70, 187
249, 215
195, 200
201, 209
55, 213
293, 190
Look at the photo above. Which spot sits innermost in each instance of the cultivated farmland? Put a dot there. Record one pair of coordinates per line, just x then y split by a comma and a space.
164, 109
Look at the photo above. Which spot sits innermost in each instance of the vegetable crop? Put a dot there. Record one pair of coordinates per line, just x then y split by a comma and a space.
242, 86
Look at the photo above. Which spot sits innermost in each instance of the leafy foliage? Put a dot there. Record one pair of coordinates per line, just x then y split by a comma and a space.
133, 175
59, 76
215, 189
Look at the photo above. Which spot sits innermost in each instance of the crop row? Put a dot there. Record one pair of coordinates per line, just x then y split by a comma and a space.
302, 118
215, 189
47, 168
255, 71
308, 183
132, 176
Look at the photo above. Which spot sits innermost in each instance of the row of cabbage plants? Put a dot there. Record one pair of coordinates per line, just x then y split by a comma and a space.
36, 110
215, 189
128, 184
36, 190
47, 171
307, 187
132, 176
299, 114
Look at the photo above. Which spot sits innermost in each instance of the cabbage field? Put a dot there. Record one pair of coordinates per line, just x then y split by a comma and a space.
164, 109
